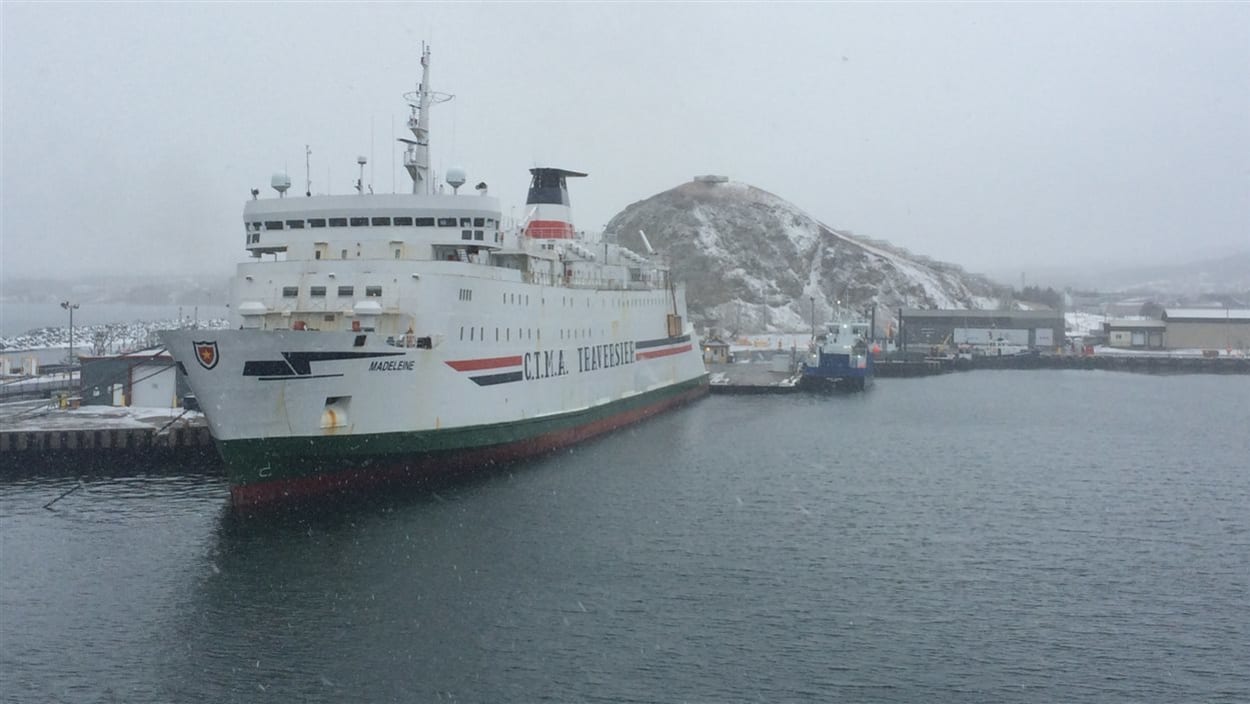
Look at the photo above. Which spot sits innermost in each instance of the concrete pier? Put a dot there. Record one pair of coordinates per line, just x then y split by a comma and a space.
86, 439
750, 378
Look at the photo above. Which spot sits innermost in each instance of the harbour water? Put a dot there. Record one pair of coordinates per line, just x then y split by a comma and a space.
1010, 536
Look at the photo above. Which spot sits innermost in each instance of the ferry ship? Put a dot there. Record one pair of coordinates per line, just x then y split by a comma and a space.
395, 336
840, 359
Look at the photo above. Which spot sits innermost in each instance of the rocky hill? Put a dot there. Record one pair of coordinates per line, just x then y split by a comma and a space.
754, 262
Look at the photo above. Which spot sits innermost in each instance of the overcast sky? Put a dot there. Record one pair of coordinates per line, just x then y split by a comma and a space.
1000, 137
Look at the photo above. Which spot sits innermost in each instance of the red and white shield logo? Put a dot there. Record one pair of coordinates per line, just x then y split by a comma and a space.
206, 354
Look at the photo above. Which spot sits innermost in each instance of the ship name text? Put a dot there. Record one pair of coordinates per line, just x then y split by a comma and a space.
392, 365
594, 357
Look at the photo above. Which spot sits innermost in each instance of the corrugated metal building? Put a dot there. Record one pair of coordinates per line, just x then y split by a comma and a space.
1208, 328
1036, 329
1136, 333
149, 379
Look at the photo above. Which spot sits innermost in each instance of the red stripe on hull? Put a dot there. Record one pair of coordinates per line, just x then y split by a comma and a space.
463, 460
471, 365
664, 353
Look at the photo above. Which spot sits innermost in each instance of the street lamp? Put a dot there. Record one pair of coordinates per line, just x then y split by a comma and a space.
813, 317
71, 307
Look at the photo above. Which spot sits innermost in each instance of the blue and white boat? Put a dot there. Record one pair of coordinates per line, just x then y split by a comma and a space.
840, 359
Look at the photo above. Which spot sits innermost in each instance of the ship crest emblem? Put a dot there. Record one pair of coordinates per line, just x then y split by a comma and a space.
206, 354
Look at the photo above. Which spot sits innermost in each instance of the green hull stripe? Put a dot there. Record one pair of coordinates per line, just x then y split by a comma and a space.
268, 459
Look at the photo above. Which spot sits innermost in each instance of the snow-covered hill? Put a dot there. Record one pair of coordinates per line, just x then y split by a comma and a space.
753, 261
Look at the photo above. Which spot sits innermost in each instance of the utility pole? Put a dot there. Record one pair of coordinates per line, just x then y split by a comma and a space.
71, 307
813, 318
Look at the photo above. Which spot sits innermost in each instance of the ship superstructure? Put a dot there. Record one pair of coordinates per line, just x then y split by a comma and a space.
393, 335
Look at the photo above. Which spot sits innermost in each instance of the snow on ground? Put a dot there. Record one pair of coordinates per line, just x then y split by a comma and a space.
1126, 352
933, 288
1078, 323
42, 415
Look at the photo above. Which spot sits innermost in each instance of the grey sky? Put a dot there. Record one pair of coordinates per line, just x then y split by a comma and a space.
995, 136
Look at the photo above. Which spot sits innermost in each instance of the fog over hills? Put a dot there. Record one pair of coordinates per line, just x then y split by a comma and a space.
179, 289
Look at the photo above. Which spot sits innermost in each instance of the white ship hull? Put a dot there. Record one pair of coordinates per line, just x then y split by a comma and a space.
300, 411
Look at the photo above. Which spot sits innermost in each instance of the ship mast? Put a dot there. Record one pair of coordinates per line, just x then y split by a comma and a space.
417, 155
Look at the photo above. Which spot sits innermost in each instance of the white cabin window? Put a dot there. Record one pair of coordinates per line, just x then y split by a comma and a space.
317, 291
359, 222
347, 290
381, 222
273, 225
290, 291
373, 291
316, 222
295, 224
338, 222
403, 222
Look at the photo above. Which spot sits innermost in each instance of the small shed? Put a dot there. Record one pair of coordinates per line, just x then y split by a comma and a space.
715, 351
147, 378
1136, 333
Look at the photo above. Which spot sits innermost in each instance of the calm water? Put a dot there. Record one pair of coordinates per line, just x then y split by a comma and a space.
992, 536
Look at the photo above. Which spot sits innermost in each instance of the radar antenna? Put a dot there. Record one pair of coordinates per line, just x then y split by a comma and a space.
417, 154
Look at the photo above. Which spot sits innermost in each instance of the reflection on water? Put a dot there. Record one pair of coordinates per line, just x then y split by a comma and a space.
1014, 536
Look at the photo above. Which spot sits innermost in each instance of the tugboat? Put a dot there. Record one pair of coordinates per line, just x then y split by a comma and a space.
840, 360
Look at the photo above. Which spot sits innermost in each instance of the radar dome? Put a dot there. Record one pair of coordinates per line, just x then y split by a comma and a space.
280, 182
456, 177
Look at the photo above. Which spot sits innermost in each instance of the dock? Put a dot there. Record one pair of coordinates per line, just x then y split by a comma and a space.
37, 437
751, 378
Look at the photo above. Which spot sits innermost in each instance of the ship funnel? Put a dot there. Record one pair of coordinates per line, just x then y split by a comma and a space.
551, 217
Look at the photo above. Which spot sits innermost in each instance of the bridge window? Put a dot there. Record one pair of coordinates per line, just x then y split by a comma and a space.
346, 290
359, 222
317, 291
254, 225
479, 222
316, 222
477, 234
290, 291
381, 222
295, 224
338, 222
446, 222
273, 224
403, 222
466, 234
466, 222
373, 291
422, 222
